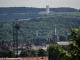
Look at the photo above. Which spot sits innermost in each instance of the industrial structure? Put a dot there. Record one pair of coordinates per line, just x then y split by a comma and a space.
16, 27
54, 36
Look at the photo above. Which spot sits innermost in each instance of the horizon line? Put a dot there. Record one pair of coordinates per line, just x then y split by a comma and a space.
37, 7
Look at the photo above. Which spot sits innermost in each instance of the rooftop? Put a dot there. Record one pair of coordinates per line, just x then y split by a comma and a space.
63, 43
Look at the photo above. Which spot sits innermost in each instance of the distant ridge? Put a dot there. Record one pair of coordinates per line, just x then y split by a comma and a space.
34, 9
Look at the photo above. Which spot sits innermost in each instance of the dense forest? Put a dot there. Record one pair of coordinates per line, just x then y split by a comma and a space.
9, 10
9, 13
35, 27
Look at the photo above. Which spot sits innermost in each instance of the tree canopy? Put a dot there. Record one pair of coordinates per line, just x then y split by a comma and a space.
73, 53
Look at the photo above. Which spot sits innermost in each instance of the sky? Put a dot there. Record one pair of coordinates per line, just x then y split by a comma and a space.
40, 3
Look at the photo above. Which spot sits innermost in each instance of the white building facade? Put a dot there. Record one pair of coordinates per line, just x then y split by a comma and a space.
45, 12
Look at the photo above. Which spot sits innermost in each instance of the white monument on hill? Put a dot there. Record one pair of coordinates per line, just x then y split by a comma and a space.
47, 9
45, 12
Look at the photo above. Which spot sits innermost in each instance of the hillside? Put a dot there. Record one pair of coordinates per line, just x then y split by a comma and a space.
10, 13
41, 29
38, 28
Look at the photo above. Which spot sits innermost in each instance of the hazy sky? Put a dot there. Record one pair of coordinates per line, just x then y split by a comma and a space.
40, 3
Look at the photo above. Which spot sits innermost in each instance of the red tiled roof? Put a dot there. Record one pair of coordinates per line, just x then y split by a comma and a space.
26, 58
34, 58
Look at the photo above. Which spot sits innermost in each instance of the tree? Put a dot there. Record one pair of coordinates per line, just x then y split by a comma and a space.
52, 54
28, 53
75, 44
62, 38
74, 48
56, 52
34, 53
11, 54
24, 53
42, 52
7, 54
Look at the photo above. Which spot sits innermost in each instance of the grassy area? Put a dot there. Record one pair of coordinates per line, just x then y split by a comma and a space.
63, 14
60, 13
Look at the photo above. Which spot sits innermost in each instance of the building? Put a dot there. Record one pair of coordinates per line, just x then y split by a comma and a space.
47, 9
63, 43
45, 12
55, 39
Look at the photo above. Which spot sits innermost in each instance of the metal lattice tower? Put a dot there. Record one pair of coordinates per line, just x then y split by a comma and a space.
16, 27
55, 35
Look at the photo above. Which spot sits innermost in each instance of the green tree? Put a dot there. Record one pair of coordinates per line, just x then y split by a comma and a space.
24, 53
74, 48
28, 53
7, 54
62, 38
56, 52
52, 54
42, 52
11, 54
33, 53
75, 44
